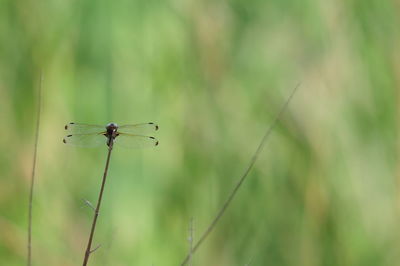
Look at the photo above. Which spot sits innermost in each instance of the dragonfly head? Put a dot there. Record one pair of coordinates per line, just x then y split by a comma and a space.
111, 128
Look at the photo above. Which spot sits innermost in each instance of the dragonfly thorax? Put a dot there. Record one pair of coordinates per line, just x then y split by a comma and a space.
111, 129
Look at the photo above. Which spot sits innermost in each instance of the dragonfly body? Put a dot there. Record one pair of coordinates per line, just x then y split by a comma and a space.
111, 133
130, 136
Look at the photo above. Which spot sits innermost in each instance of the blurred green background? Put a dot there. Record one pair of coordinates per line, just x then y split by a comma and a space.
212, 74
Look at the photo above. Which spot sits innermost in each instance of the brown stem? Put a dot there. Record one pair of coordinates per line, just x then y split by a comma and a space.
32, 184
240, 182
96, 212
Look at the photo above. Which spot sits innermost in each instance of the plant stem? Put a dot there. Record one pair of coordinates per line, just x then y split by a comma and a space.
241, 180
191, 240
96, 212
29, 259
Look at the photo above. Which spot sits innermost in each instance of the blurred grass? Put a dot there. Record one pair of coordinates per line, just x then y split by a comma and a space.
212, 74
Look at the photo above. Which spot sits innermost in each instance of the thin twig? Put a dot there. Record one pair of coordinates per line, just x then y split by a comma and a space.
96, 212
238, 185
89, 204
96, 248
32, 184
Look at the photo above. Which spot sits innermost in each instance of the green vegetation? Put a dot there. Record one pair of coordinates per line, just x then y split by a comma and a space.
212, 74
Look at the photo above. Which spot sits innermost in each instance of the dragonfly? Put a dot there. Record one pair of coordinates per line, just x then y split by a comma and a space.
129, 136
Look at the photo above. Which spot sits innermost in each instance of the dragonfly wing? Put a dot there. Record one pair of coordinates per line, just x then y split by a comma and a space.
78, 128
139, 129
86, 140
135, 141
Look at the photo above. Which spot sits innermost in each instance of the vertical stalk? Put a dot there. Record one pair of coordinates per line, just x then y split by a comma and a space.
32, 183
191, 240
96, 212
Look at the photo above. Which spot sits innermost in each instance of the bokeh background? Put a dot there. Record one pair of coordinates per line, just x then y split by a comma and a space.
212, 74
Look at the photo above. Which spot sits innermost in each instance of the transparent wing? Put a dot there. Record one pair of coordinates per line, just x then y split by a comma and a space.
139, 129
135, 141
86, 140
78, 128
